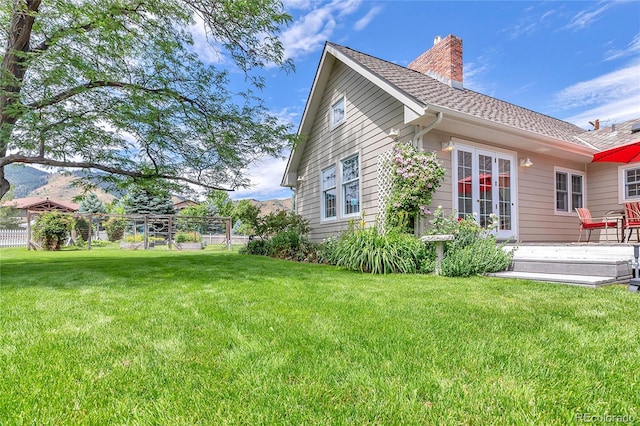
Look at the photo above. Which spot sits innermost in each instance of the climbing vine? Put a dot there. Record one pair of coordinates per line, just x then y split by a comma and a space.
416, 177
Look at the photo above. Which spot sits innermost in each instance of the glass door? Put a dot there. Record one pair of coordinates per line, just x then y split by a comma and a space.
485, 188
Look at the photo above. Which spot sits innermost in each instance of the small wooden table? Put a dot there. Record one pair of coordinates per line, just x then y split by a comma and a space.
439, 240
619, 220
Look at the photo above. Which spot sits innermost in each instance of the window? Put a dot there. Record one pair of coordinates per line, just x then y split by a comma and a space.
340, 189
338, 112
569, 191
329, 193
631, 183
350, 186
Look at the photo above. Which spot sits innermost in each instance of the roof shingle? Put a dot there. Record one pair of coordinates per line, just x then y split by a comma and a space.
430, 91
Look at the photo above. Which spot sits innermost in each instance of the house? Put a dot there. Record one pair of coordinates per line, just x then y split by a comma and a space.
530, 169
38, 204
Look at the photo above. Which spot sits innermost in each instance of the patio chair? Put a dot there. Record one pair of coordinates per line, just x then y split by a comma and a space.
632, 218
589, 223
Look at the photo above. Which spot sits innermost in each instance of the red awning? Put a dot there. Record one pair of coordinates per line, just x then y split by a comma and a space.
621, 154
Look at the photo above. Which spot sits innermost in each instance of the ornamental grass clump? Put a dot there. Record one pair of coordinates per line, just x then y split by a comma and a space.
369, 250
417, 176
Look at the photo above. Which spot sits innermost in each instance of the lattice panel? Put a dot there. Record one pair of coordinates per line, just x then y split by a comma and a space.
385, 182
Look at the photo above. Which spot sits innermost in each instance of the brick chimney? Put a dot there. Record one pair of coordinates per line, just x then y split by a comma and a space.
443, 61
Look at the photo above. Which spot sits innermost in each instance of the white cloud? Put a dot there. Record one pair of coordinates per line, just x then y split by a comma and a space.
265, 177
474, 71
623, 109
308, 33
203, 46
633, 48
587, 17
366, 19
613, 96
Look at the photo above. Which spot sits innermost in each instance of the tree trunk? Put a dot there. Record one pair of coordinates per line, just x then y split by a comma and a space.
12, 71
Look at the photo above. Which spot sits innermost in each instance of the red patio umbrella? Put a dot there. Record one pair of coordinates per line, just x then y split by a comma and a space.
629, 153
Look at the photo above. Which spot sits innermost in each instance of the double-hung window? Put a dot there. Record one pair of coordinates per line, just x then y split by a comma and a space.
569, 190
350, 186
340, 189
630, 177
329, 193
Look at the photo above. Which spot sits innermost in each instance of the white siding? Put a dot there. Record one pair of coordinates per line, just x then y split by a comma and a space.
370, 113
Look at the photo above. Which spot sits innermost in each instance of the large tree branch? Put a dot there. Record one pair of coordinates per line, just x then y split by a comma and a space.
16, 158
69, 93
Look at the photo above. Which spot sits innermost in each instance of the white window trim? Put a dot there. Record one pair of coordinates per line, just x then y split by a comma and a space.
569, 172
333, 125
340, 200
323, 210
621, 182
359, 180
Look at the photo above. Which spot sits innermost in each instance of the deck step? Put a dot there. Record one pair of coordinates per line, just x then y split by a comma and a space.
581, 280
601, 268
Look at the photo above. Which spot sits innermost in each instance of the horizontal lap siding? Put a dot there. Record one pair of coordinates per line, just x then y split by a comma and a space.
538, 221
370, 113
602, 188
535, 192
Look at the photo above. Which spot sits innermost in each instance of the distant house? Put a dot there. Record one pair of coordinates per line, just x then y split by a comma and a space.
180, 204
530, 169
40, 205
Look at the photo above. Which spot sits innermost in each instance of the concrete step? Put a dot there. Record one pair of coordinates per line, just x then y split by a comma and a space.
580, 280
587, 267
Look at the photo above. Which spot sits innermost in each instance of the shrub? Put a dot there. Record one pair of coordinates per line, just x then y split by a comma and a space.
82, 228
133, 238
480, 256
188, 237
368, 250
474, 250
292, 245
115, 227
52, 228
259, 247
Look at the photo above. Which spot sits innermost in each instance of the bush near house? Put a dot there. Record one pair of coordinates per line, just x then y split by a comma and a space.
282, 235
474, 250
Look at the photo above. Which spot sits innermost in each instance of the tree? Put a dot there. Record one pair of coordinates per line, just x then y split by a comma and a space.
9, 215
220, 204
149, 201
115, 86
92, 204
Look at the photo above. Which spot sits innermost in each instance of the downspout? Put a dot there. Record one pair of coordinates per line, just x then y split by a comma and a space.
424, 131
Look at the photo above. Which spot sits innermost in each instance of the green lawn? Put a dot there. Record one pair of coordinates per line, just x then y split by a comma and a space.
159, 337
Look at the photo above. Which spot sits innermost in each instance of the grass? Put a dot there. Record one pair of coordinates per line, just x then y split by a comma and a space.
120, 337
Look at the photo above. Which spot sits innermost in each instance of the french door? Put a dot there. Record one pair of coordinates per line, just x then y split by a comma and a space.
485, 187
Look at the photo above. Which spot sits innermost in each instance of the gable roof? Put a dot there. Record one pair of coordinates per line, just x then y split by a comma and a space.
430, 91
419, 92
41, 204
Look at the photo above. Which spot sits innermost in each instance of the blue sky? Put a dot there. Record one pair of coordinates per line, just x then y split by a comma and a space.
576, 61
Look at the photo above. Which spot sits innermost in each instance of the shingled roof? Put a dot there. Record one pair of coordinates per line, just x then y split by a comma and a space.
430, 91
610, 137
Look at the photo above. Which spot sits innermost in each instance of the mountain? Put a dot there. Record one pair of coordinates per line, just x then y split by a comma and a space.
60, 187
31, 182
24, 179
271, 206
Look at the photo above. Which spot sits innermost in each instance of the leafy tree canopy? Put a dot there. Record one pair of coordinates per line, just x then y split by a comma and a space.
115, 86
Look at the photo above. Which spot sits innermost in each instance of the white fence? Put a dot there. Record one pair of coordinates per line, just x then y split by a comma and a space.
13, 237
